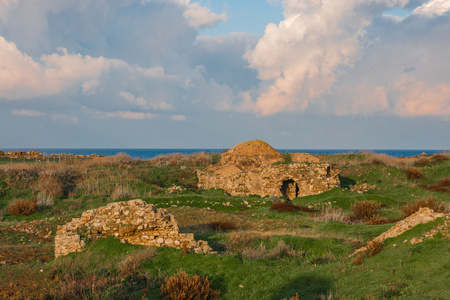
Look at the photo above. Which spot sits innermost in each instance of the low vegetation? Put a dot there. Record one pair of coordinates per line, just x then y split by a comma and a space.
267, 247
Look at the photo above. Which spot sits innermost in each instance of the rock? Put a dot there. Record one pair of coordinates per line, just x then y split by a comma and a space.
422, 216
250, 168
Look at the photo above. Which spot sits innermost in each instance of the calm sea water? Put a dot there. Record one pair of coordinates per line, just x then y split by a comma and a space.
150, 153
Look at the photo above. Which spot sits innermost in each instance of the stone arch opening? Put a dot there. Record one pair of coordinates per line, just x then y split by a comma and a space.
289, 189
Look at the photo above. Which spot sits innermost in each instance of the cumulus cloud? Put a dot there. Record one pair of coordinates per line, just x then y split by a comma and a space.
433, 8
199, 16
23, 77
418, 98
28, 112
345, 58
299, 58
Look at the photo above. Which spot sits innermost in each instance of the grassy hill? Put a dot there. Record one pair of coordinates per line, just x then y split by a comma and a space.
265, 250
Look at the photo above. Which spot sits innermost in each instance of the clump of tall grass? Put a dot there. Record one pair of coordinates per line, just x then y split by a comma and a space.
281, 250
331, 214
181, 286
122, 192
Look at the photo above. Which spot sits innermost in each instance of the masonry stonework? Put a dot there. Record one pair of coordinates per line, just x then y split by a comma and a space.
255, 168
134, 222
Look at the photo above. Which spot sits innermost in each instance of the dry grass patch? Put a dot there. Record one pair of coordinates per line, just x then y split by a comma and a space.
132, 262
442, 186
221, 226
181, 286
289, 207
430, 202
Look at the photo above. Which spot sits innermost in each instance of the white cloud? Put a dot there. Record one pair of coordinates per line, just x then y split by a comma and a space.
298, 59
28, 112
433, 8
141, 102
64, 119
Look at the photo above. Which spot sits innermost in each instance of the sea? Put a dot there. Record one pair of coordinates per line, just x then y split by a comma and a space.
151, 153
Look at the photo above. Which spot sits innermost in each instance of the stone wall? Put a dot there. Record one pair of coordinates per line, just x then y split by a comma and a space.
134, 222
288, 180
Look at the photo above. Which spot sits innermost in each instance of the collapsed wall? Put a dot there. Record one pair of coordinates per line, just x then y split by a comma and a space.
134, 222
255, 168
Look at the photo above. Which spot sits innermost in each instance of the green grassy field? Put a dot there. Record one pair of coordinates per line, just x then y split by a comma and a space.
268, 255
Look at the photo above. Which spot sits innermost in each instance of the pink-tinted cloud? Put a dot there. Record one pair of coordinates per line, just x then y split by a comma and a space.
298, 59
418, 98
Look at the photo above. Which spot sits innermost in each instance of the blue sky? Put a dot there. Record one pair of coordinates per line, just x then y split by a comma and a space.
372, 74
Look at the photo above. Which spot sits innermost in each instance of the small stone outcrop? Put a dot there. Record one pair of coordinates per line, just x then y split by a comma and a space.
255, 168
134, 222
422, 216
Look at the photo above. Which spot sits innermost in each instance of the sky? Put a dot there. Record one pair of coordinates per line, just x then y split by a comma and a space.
298, 74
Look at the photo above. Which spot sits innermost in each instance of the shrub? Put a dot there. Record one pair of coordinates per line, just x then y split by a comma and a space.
22, 207
221, 226
121, 192
287, 158
413, 173
365, 210
430, 202
289, 207
181, 286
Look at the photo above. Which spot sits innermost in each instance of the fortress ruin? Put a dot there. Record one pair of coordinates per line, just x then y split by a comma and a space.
255, 168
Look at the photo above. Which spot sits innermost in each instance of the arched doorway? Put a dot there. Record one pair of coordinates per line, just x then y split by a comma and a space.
289, 189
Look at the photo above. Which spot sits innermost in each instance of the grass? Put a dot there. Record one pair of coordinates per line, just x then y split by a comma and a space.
262, 253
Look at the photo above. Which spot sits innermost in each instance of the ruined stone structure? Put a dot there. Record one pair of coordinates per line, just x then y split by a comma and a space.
134, 222
256, 168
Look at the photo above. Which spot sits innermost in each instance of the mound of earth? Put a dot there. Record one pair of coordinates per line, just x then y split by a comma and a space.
250, 155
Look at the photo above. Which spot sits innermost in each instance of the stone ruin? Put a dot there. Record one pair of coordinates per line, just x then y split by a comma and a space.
255, 168
134, 222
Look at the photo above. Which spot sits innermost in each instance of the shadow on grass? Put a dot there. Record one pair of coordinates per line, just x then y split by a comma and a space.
346, 182
308, 286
